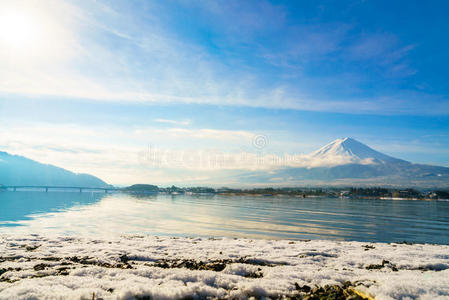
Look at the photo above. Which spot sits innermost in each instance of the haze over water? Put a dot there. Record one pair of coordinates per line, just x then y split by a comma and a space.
232, 216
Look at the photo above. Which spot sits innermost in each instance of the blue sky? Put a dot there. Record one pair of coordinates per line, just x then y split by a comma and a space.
90, 85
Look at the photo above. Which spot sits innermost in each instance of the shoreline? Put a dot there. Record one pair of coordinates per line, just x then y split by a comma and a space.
326, 196
150, 267
240, 194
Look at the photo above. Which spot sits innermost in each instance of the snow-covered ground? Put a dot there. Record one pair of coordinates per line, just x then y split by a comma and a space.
38, 267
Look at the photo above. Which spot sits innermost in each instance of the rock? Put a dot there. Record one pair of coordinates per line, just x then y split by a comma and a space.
304, 288
374, 267
368, 247
40, 267
63, 271
257, 274
143, 297
328, 292
31, 248
124, 258
51, 258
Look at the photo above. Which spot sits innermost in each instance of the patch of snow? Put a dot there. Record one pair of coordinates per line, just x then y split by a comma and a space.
386, 271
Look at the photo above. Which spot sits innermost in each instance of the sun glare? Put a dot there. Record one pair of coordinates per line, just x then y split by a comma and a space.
17, 29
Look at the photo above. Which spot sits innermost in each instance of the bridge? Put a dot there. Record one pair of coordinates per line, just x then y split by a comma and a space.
48, 187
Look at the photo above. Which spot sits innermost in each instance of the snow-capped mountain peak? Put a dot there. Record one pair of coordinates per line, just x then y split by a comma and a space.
351, 150
351, 163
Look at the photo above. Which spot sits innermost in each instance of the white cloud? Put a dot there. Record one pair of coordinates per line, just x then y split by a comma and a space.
174, 122
123, 156
205, 133
115, 154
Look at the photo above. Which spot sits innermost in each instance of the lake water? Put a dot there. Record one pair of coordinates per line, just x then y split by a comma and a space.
234, 216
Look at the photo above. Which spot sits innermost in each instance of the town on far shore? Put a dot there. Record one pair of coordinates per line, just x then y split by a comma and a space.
301, 192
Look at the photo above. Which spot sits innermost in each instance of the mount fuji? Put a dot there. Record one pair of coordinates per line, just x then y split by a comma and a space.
351, 149
347, 161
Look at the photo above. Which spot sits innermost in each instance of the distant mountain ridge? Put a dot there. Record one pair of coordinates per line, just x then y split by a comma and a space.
19, 170
349, 162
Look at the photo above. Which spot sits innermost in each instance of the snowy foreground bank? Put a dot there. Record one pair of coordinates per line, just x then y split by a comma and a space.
36, 267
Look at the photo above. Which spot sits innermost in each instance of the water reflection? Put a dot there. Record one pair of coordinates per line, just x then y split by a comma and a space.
255, 217
17, 206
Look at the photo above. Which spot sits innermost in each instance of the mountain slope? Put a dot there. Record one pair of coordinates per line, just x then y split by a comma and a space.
349, 162
18, 170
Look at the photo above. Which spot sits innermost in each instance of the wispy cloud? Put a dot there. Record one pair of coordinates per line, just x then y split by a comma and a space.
202, 133
115, 153
121, 156
92, 51
174, 122
383, 50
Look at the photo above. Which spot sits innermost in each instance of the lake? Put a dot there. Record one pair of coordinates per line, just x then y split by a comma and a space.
100, 214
